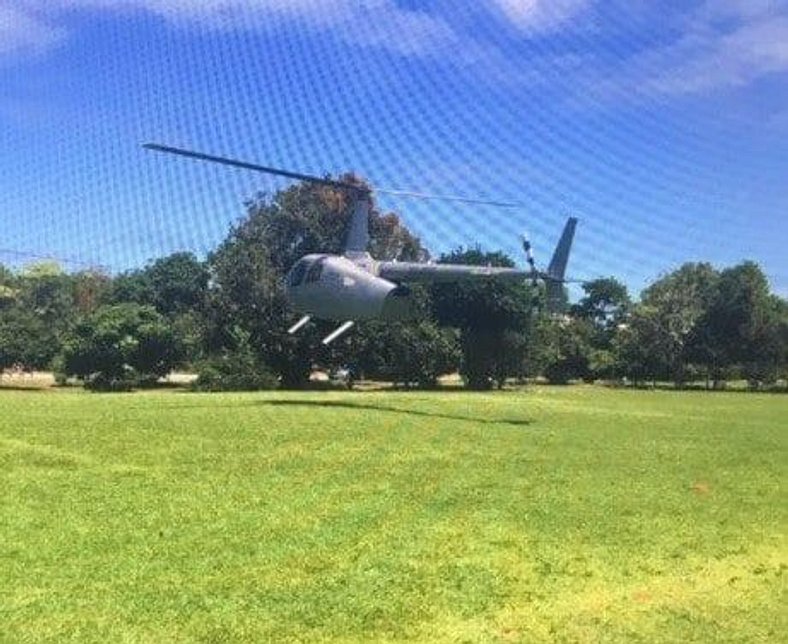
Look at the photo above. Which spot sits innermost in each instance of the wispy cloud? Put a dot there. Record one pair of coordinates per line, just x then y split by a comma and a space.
22, 33
385, 24
28, 26
540, 16
715, 45
725, 47
708, 48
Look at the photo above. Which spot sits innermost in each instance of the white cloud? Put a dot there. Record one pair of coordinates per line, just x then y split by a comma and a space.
718, 44
751, 43
540, 15
376, 23
379, 23
741, 9
22, 33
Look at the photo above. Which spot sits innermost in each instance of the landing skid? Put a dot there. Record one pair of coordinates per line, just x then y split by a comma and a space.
344, 328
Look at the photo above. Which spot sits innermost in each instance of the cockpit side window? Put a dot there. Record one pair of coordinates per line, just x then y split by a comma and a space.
297, 274
315, 271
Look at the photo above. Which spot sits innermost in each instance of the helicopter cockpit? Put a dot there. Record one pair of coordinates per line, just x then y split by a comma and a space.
306, 270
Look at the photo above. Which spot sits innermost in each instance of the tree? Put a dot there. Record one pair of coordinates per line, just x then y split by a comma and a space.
673, 306
407, 353
36, 315
89, 289
605, 303
744, 326
248, 268
25, 340
644, 348
603, 310
238, 369
484, 311
571, 350
173, 284
120, 346
177, 287
7, 287
47, 290
178, 283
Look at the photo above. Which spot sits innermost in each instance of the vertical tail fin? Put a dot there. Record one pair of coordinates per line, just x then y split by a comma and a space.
357, 238
554, 278
557, 267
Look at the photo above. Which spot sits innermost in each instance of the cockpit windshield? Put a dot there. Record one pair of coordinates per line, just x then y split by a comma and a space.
306, 271
297, 272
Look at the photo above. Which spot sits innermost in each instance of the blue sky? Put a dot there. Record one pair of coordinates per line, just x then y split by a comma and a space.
662, 126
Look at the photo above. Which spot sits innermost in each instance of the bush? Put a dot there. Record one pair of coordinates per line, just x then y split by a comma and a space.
119, 347
108, 383
235, 371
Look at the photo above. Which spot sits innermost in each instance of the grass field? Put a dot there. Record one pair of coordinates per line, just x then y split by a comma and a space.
576, 514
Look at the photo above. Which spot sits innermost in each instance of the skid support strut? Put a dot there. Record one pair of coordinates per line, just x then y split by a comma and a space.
337, 332
298, 325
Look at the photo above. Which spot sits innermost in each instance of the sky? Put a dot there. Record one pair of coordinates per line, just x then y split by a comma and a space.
662, 126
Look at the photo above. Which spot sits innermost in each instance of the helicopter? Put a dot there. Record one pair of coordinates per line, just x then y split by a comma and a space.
355, 286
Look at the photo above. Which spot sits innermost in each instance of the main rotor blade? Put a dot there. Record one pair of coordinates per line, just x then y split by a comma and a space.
425, 195
156, 147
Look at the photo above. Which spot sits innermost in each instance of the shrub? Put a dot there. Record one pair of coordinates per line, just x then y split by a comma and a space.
119, 347
234, 371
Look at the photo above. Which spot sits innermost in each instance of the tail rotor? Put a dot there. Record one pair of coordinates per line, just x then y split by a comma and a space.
555, 276
529, 257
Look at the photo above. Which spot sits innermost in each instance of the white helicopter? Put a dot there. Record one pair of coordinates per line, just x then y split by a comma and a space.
355, 286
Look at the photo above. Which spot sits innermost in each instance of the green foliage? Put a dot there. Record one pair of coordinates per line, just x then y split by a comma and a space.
605, 303
236, 369
489, 314
25, 340
642, 347
234, 372
89, 290
177, 287
744, 325
8, 290
693, 323
121, 346
411, 353
42, 269
40, 307
178, 283
571, 341
672, 307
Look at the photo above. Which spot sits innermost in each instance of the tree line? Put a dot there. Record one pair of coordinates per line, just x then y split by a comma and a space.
226, 317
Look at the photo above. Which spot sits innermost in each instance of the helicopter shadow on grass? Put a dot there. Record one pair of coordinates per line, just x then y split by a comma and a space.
343, 404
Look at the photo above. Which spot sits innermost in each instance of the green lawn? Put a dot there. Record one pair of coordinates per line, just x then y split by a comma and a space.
574, 514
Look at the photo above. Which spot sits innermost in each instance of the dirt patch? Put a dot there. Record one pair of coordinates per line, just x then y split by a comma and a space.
701, 488
642, 597
26, 379
510, 635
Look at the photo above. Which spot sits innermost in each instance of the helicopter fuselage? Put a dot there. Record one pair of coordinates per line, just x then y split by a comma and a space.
334, 287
